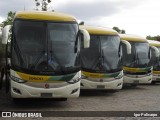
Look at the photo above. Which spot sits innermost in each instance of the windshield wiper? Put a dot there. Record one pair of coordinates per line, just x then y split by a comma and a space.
100, 62
37, 60
50, 62
71, 68
136, 59
67, 70
135, 56
58, 67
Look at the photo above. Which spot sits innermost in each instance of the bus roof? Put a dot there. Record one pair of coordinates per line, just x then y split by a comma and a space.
45, 15
133, 38
154, 43
99, 30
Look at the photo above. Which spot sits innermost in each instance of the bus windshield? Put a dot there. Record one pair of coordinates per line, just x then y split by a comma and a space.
103, 54
139, 56
47, 47
155, 61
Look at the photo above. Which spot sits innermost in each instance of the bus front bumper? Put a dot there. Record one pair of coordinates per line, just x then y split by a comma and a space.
111, 85
156, 78
19, 90
137, 79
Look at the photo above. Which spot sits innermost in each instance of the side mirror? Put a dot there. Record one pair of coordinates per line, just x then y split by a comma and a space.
128, 45
156, 50
5, 34
81, 23
86, 38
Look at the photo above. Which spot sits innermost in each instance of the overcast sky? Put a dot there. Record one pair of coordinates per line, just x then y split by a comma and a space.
141, 17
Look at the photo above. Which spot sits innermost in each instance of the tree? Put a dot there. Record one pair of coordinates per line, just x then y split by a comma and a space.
116, 29
119, 30
157, 38
81, 23
123, 31
9, 19
2, 54
43, 4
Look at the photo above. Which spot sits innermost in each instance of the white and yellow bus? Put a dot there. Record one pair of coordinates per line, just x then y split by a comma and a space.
44, 55
0, 35
155, 60
101, 65
136, 65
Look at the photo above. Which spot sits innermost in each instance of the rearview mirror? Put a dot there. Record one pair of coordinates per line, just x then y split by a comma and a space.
128, 46
6, 34
86, 38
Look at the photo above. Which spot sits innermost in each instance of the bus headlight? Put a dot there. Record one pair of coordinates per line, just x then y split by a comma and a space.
149, 74
72, 81
119, 76
18, 79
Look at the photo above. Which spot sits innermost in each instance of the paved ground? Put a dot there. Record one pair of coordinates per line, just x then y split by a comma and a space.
141, 98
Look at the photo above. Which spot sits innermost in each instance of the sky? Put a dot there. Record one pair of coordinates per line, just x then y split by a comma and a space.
140, 17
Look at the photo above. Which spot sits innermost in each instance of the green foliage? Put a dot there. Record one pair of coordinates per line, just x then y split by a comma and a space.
123, 31
119, 30
9, 19
81, 23
2, 54
157, 38
43, 4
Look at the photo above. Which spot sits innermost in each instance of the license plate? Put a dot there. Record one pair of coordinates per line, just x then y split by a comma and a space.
46, 95
100, 86
136, 81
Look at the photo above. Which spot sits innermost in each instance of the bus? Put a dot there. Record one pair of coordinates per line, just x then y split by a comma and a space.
44, 53
101, 63
0, 34
155, 60
137, 69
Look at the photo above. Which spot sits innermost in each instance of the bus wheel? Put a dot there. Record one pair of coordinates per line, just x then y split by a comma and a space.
1, 79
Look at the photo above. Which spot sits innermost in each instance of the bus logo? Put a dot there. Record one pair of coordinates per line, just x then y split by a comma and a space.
46, 85
35, 78
6, 114
101, 80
